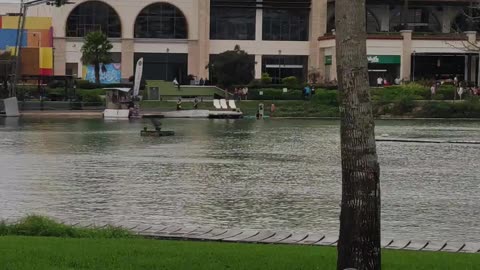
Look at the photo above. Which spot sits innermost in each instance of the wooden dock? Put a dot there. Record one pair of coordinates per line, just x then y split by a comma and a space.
181, 233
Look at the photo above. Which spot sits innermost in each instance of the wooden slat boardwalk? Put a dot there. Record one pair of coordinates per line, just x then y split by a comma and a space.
292, 238
177, 232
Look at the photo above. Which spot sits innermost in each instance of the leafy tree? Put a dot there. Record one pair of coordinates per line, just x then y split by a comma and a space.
359, 243
6, 66
232, 68
96, 52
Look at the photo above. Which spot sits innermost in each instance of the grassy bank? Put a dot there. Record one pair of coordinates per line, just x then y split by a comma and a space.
318, 108
43, 226
24, 245
56, 253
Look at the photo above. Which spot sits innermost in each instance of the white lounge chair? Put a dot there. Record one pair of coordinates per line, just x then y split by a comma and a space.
232, 105
216, 104
223, 103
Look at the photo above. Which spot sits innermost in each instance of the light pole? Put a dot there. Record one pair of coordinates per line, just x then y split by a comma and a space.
166, 66
413, 66
279, 66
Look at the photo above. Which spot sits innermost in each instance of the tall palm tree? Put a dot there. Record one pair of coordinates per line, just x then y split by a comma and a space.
96, 52
359, 243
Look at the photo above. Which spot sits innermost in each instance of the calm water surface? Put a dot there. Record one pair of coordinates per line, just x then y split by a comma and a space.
277, 174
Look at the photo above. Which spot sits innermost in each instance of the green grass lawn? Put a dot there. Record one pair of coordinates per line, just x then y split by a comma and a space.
64, 253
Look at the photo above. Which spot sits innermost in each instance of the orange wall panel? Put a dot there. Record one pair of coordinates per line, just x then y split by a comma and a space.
30, 61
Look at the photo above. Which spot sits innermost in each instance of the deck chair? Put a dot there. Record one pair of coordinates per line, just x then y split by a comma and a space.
223, 103
232, 105
216, 104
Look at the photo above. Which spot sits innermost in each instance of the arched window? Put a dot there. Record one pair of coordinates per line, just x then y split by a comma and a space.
161, 20
417, 19
93, 16
467, 20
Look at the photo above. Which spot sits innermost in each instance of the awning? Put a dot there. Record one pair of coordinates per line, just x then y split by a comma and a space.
373, 59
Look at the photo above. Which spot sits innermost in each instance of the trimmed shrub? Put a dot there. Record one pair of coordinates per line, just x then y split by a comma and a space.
291, 82
266, 79
274, 94
447, 91
326, 97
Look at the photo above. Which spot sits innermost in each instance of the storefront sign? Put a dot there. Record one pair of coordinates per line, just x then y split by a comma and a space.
373, 59
384, 59
328, 60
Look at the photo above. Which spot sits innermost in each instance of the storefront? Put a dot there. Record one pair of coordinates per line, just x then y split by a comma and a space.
385, 66
429, 66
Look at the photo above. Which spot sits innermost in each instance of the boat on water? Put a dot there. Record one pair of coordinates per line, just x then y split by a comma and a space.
119, 104
158, 132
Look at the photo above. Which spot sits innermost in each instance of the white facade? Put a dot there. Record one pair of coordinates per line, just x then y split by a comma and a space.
199, 46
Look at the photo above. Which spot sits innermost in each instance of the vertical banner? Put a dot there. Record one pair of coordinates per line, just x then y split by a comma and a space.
138, 77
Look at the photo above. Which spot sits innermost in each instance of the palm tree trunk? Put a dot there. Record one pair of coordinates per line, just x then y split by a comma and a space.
97, 73
359, 243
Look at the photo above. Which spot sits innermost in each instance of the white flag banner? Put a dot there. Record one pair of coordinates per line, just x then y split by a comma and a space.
138, 77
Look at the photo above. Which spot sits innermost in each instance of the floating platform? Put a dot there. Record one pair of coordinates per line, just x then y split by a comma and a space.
225, 115
196, 114
399, 140
156, 133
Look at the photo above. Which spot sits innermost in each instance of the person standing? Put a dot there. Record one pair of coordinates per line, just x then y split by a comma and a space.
176, 83
195, 104
433, 90
179, 104
379, 82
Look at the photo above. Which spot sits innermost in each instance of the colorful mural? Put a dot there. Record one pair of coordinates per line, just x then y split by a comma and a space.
37, 43
113, 74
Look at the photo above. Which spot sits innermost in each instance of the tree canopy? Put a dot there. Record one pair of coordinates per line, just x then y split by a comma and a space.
96, 52
233, 67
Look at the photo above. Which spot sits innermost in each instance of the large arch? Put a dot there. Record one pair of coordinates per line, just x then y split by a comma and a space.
161, 21
93, 16
373, 23
419, 19
465, 20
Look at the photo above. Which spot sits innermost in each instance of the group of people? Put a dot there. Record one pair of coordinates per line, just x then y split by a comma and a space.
240, 93
196, 102
381, 82
195, 81
308, 91
461, 88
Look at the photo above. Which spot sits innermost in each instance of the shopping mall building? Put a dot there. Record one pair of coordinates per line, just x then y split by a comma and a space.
418, 39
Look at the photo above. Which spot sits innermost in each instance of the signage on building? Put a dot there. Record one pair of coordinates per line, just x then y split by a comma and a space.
373, 59
112, 74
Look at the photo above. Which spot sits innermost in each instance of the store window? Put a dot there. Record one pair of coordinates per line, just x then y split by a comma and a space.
232, 20
161, 21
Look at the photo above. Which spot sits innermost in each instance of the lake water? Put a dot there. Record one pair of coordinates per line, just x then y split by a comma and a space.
273, 174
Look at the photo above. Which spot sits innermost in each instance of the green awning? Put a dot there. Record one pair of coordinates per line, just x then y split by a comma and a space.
373, 59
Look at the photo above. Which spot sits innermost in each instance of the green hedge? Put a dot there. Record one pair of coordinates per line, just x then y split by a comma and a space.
274, 94
469, 108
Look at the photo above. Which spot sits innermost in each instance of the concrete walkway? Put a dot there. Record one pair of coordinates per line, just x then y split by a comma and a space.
62, 114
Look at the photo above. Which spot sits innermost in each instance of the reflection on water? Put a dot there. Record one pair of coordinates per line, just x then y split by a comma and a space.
278, 174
